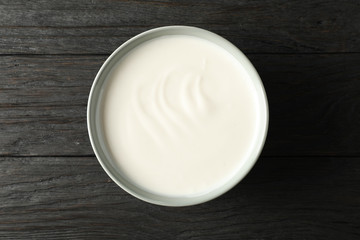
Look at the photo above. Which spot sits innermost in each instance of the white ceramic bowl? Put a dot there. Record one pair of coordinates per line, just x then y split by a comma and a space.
95, 125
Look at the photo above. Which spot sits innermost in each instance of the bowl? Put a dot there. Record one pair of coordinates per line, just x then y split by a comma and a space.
96, 131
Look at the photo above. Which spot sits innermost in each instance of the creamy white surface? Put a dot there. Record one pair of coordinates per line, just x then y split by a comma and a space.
180, 115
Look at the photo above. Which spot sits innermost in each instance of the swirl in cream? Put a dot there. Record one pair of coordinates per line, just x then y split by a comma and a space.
180, 115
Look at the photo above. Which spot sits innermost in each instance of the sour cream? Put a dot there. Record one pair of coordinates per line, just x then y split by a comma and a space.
180, 116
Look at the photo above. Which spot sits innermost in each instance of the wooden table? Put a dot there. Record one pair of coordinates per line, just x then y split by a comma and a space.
306, 184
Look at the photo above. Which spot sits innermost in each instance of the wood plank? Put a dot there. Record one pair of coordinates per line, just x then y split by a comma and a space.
94, 27
314, 104
43, 104
282, 198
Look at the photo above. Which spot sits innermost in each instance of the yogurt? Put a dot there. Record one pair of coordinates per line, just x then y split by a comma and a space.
180, 116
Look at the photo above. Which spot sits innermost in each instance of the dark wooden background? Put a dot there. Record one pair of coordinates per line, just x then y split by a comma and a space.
306, 184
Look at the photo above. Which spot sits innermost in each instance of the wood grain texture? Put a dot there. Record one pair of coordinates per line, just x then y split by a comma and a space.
314, 104
306, 184
94, 27
282, 198
43, 104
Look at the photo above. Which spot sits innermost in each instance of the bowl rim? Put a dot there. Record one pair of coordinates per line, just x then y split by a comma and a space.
191, 31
